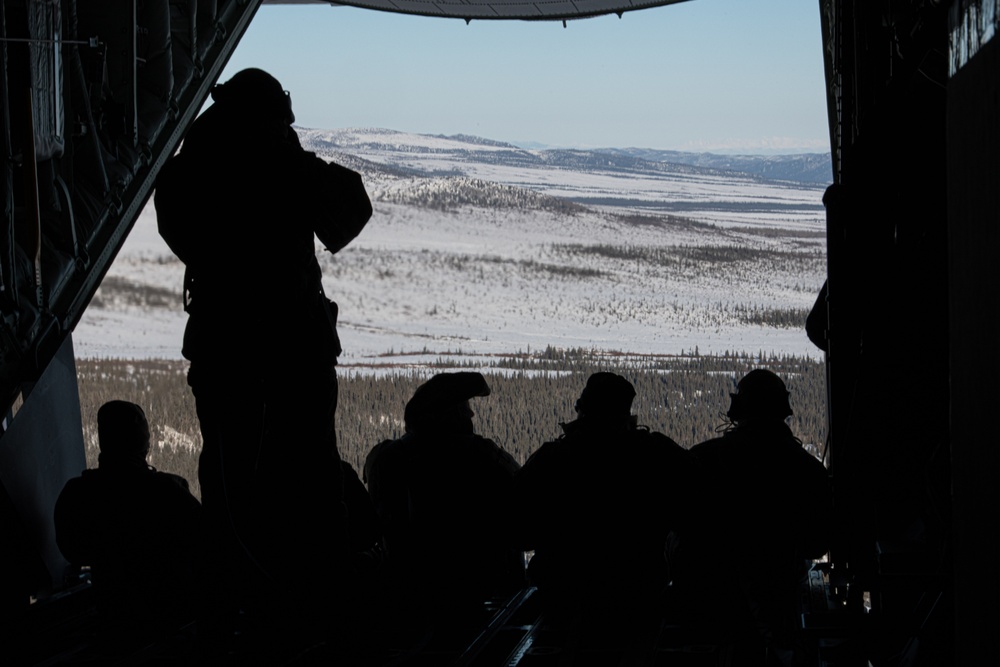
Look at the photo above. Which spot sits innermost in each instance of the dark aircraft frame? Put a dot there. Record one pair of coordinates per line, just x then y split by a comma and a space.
908, 320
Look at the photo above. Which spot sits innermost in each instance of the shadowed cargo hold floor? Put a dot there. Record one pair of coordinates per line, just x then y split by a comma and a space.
516, 632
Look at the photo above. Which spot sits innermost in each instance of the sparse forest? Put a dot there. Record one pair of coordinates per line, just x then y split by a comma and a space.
683, 396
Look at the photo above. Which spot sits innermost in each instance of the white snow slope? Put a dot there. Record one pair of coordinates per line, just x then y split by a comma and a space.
473, 249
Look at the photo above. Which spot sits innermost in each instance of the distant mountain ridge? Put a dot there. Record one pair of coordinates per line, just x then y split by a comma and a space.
803, 168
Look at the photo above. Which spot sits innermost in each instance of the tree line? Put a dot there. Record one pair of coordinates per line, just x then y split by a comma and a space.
684, 396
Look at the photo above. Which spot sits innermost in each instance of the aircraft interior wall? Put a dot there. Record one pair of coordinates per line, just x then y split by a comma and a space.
974, 236
38, 454
888, 330
95, 97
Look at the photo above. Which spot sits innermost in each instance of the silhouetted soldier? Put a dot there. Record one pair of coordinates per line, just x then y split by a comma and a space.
242, 205
598, 503
135, 527
766, 513
444, 495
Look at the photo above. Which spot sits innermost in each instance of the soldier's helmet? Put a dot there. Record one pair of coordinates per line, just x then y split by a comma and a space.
253, 93
760, 395
122, 430
440, 402
607, 395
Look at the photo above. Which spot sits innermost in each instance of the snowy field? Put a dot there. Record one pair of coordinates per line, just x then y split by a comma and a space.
473, 249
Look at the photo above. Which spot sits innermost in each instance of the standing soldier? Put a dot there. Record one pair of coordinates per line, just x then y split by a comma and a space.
241, 205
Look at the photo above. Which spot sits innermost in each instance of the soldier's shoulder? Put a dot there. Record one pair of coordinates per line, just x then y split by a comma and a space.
550, 451
711, 447
377, 456
483, 442
170, 480
657, 439
73, 487
498, 454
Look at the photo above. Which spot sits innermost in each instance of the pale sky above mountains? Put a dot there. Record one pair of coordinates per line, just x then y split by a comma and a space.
706, 75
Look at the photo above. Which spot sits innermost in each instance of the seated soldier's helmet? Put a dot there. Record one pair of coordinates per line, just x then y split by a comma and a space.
759, 395
122, 430
606, 395
253, 93
436, 401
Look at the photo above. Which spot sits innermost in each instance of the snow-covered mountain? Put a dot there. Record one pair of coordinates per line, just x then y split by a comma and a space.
801, 167
395, 161
482, 247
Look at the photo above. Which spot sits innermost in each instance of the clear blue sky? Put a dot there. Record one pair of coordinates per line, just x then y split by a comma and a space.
700, 75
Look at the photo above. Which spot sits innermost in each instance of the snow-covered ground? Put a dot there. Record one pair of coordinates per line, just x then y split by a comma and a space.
468, 253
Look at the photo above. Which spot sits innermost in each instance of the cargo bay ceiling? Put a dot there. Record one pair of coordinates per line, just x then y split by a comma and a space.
540, 10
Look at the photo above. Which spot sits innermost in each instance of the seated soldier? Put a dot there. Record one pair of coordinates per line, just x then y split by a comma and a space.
765, 513
444, 496
598, 503
135, 527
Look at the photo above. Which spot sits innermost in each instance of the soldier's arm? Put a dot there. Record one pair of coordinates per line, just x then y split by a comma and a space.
75, 532
817, 497
172, 209
507, 462
531, 482
338, 202
369, 473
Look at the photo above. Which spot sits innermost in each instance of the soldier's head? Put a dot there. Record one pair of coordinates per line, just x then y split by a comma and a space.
442, 403
607, 397
123, 432
760, 396
255, 95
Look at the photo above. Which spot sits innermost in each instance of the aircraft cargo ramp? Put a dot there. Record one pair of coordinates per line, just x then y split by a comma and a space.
514, 632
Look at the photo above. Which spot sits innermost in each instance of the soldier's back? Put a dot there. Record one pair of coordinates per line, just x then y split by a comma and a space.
446, 502
599, 504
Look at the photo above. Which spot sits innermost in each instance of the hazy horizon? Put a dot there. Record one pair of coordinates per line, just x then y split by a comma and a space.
533, 144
